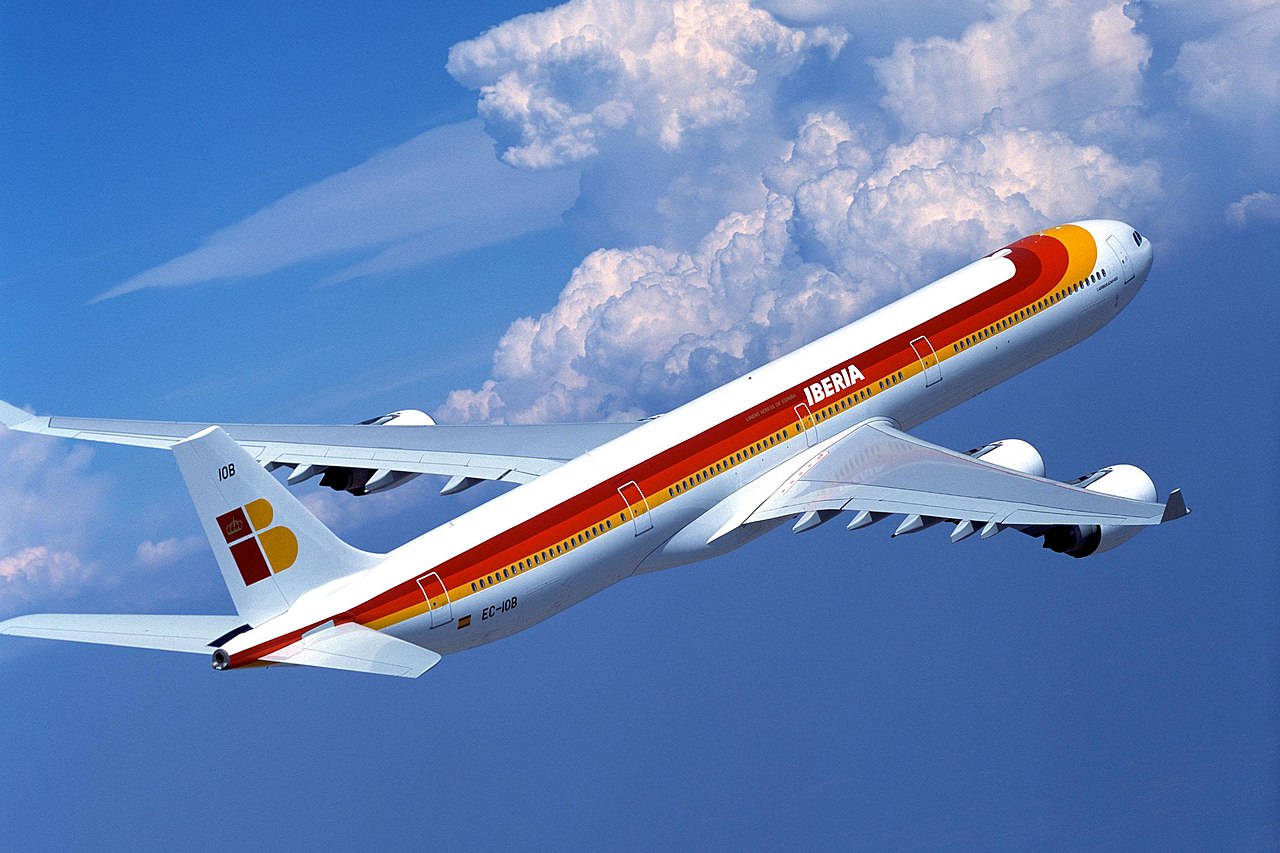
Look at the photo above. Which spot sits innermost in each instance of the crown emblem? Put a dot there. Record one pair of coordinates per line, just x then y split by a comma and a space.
258, 549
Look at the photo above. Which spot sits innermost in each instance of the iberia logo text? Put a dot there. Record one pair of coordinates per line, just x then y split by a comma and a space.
258, 548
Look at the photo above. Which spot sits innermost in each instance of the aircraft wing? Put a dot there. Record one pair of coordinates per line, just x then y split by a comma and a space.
513, 453
877, 469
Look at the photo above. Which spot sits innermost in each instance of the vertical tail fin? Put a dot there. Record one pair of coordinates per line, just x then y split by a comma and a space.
270, 548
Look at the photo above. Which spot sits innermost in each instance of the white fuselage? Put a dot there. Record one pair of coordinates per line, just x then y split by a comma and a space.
669, 525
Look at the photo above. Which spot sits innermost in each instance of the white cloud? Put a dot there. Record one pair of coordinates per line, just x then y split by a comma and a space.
556, 86
345, 513
46, 491
844, 227
1043, 64
439, 193
1232, 75
874, 21
38, 570
166, 551
1260, 208
834, 222
50, 500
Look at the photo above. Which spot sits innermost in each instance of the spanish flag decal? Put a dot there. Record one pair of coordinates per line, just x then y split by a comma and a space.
258, 548
464, 621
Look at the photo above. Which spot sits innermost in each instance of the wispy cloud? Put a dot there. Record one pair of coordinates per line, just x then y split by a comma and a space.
441, 192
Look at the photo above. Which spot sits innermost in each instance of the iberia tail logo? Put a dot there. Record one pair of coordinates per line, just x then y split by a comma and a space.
258, 548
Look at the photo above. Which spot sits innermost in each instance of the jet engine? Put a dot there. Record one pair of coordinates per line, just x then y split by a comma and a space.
404, 417
1081, 540
1013, 453
366, 481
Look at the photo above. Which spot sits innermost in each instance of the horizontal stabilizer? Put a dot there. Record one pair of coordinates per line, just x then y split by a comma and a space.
167, 633
358, 649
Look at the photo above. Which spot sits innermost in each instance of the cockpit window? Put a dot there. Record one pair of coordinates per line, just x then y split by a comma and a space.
1137, 239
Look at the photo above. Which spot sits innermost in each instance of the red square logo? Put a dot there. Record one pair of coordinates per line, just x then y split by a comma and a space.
248, 557
234, 525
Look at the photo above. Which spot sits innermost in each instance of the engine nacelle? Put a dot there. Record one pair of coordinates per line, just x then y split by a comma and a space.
366, 481
405, 417
1081, 540
1011, 453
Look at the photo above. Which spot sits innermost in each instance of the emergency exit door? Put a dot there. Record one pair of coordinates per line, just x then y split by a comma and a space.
637, 507
437, 599
928, 359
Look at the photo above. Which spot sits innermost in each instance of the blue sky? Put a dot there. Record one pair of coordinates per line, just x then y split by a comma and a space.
253, 214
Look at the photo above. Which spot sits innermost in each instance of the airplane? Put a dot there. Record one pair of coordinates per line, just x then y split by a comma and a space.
819, 433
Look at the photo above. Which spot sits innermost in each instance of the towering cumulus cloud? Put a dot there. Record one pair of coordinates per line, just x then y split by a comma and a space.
557, 86
668, 107
840, 218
